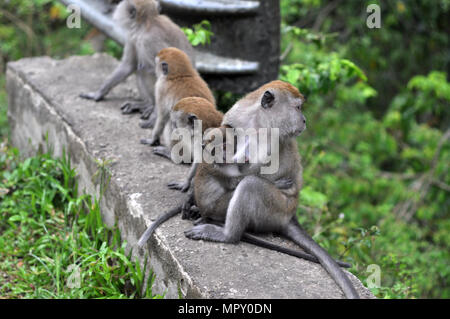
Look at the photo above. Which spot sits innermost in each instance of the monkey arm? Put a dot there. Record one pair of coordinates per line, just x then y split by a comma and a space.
184, 186
126, 67
161, 121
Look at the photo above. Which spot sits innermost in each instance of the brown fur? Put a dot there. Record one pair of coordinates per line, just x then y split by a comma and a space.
203, 109
277, 85
183, 80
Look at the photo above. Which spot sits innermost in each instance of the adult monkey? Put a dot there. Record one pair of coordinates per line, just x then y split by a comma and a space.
256, 204
148, 32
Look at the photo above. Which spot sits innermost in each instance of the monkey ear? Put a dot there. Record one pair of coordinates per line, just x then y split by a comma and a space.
267, 100
158, 6
132, 12
165, 68
192, 118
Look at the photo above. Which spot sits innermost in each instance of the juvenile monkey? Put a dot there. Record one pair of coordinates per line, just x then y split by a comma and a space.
256, 204
176, 79
147, 33
183, 116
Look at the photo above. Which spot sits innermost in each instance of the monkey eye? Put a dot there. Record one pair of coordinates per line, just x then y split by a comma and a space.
132, 12
299, 107
165, 68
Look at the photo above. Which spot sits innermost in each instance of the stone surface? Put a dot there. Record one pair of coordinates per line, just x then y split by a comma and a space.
44, 104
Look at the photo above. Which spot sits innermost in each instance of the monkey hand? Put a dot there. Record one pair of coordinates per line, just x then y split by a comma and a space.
130, 107
96, 96
284, 183
150, 123
147, 112
183, 187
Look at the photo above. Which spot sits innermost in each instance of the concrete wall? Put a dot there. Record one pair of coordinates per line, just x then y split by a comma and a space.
44, 103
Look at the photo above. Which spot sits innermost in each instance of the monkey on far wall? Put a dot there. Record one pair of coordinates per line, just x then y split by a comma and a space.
176, 79
148, 32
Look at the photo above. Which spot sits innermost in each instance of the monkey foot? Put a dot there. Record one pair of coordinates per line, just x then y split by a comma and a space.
150, 123
146, 112
192, 213
206, 232
179, 186
131, 107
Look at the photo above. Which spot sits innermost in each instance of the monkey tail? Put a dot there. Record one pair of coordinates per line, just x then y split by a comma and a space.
266, 244
161, 219
297, 234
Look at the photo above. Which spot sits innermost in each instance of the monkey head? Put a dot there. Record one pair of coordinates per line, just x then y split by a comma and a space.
173, 63
190, 109
276, 104
134, 13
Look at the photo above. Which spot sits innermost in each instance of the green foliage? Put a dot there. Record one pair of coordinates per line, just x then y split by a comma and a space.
201, 34
377, 149
30, 28
413, 38
45, 229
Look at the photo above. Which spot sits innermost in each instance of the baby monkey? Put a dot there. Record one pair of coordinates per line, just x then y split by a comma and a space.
147, 32
176, 79
184, 116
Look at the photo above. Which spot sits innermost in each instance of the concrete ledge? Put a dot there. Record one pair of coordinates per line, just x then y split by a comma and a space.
43, 101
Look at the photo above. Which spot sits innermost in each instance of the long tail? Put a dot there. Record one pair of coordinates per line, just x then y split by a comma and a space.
297, 234
161, 219
266, 244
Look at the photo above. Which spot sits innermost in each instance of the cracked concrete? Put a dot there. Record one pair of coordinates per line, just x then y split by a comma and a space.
44, 105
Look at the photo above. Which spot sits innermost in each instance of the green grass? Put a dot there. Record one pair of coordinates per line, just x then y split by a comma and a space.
53, 243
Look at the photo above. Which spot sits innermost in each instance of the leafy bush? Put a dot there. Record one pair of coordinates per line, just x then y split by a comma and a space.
46, 233
376, 183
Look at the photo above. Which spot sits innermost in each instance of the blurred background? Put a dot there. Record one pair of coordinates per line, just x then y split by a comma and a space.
376, 152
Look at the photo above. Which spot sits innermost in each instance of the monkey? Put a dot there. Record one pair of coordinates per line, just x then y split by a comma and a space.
183, 116
147, 33
255, 204
189, 210
176, 79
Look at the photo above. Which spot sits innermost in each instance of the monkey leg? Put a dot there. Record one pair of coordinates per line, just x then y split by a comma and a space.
256, 204
95, 96
124, 69
133, 106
